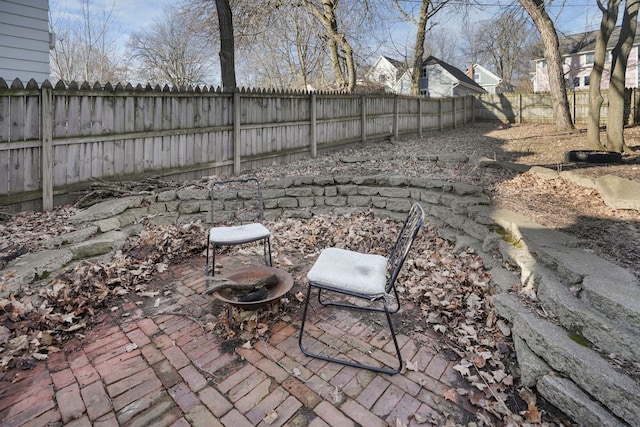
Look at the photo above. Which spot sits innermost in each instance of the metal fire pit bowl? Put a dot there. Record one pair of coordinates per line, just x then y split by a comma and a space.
250, 275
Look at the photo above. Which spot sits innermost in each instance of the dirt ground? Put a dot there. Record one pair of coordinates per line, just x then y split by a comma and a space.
558, 204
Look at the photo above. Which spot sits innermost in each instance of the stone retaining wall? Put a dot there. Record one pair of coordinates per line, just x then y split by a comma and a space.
577, 378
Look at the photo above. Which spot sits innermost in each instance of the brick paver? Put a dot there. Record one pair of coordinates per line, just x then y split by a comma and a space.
167, 370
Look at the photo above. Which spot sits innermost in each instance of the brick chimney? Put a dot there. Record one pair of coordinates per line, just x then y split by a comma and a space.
470, 70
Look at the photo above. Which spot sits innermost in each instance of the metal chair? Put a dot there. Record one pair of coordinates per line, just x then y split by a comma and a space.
236, 218
367, 277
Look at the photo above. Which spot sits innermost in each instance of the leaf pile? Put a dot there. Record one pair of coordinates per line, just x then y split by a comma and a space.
451, 289
26, 232
39, 320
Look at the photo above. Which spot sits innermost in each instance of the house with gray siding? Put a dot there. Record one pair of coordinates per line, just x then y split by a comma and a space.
439, 80
24, 40
488, 80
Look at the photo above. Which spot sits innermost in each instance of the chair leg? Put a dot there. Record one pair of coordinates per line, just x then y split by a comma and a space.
206, 264
267, 244
348, 362
213, 260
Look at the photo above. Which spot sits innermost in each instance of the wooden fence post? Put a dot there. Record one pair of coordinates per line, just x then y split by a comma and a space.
363, 118
440, 118
396, 119
46, 129
419, 116
453, 108
237, 161
314, 131
519, 108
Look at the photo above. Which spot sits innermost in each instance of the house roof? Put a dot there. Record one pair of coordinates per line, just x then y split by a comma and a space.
458, 74
398, 64
586, 42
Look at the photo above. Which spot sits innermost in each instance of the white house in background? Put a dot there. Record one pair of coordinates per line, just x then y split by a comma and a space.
489, 81
439, 79
391, 75
577, 52
24, 40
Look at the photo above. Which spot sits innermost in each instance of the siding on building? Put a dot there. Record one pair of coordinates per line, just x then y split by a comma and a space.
24, 40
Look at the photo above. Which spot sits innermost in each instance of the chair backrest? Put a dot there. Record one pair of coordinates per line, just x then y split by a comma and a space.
236, 201
407, 235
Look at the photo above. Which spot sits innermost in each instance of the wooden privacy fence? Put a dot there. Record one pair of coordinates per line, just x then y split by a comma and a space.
538, 107
56, 140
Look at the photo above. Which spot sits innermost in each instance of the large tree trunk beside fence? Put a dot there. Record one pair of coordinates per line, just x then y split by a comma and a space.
615, 124
609, 17
544, 24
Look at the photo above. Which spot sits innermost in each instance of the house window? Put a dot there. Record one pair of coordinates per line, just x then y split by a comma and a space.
476, 77
588, 58
544, 64
576, 81
586, 81
423, 73
382, 78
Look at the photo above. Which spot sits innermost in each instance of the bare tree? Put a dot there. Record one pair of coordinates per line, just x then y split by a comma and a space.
87, 48
428, 8
291, 53
172, 51
544, 24
607, 25
493, 44
620, 57
340, 50
227, 50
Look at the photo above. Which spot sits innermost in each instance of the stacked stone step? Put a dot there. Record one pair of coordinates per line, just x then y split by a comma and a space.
593, 318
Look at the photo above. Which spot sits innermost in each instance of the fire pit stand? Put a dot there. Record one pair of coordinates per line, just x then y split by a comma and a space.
251, 275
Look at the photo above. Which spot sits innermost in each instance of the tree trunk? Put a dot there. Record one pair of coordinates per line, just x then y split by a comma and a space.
620, 57
336, 41
607, 25
544, 24
419, 49
227, 59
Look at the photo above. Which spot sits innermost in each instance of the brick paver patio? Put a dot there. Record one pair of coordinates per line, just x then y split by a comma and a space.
149, 369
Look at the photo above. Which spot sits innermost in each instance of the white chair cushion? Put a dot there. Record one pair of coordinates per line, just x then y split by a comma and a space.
237, 234
350, 271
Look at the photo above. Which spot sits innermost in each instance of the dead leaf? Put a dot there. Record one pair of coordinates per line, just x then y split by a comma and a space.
399, 423
270, 417
336, 395
479, 361
148, 293
533, 414
527, 395
451, 395
419, 418
129, 348
67, 318
412, 366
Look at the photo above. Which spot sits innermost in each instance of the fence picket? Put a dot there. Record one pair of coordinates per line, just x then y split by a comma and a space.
112, 133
